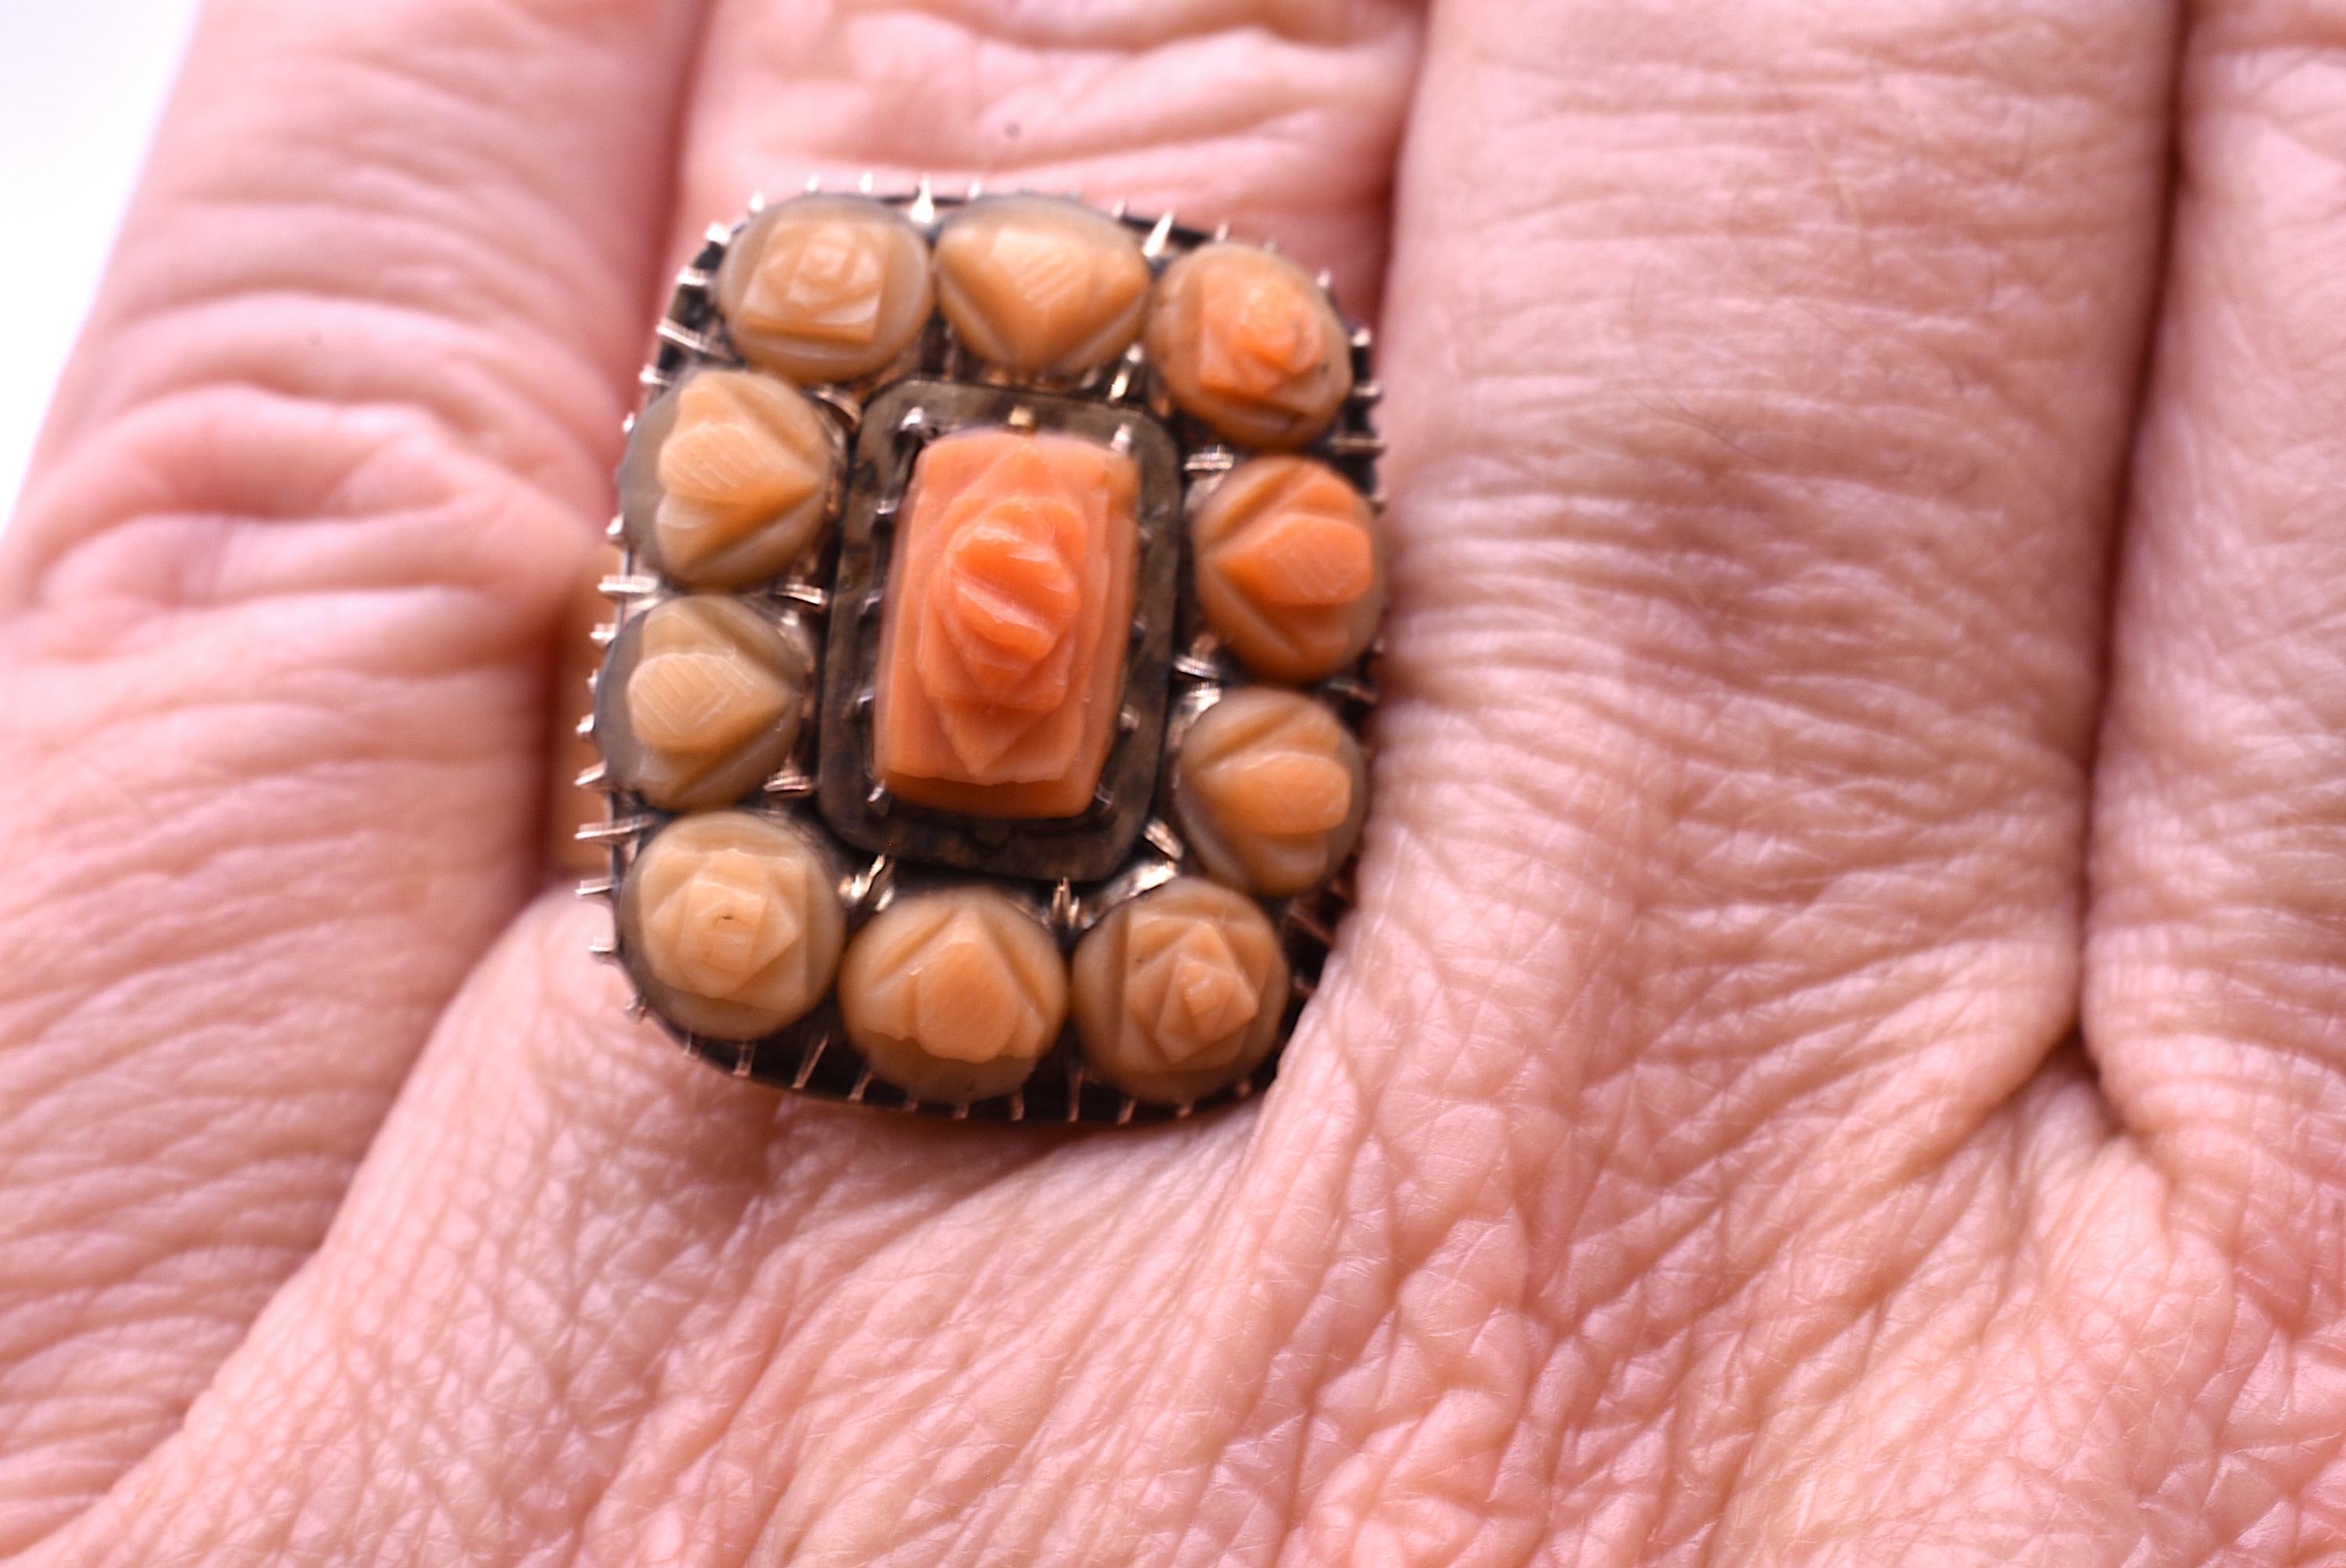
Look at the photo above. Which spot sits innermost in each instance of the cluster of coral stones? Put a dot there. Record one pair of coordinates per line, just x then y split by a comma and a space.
1001, 669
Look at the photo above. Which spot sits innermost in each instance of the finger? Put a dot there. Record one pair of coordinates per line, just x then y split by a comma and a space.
556, 1171
2218, 927
1279, 119
1760, 377
333, 444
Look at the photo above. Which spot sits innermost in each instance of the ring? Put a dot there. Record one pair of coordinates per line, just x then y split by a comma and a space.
981, 722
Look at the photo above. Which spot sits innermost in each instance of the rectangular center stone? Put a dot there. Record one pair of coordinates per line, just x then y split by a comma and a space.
1010, 594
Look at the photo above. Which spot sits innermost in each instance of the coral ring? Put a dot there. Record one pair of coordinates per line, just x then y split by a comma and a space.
981, 722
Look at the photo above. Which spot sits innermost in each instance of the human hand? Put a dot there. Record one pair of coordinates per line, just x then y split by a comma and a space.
1751, 1118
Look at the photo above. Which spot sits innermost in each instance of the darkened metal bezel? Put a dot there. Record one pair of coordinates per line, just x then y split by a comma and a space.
896, 426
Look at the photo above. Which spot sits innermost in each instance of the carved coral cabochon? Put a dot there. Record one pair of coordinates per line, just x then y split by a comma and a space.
1289, 567
728, 480
1041, 285
1273, 791
1179, 990
732, 924
1247, 344
953, 995
826, 287
1001, 663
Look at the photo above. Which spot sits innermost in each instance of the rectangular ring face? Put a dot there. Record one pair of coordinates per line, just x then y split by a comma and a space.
1001, 643
995, 680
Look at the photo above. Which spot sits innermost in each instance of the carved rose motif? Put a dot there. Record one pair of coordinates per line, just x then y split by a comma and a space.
704, 701
1249, 344
1287, 567
1269, 786
824, 284
953, 995
1040, 284
731, 923
1178, 992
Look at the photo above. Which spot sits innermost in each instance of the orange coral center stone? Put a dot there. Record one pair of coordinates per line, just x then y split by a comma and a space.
1001, 659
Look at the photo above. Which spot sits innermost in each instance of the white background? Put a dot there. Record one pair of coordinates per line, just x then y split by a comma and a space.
80, 86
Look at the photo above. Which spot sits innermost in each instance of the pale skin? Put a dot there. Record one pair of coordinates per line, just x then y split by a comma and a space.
1837, 1060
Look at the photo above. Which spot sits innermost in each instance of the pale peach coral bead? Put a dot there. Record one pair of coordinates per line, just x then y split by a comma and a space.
727, 480
701, 701
825, 287
1271, 790
1180, 992
953, 995
731, 924
1290, 568
1041, 285
1249, 344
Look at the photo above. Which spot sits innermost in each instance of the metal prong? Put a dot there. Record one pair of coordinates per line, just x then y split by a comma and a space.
616, 529
1124, 1111
924, 209
790, 784
698, 279
613, 831
590, 778
603, 637
683, 338
638, 1009
745, 1056
595, 888
864, 183
1308, 925
634, 586
585, 730
849, 412
1075, 1094
602, 952
1209, 460
1356, 445
1164, 840
863, 1082
1159, 236
1222, 230
805, 593
806, 1062
1190, 665
718, 233
1368, 392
